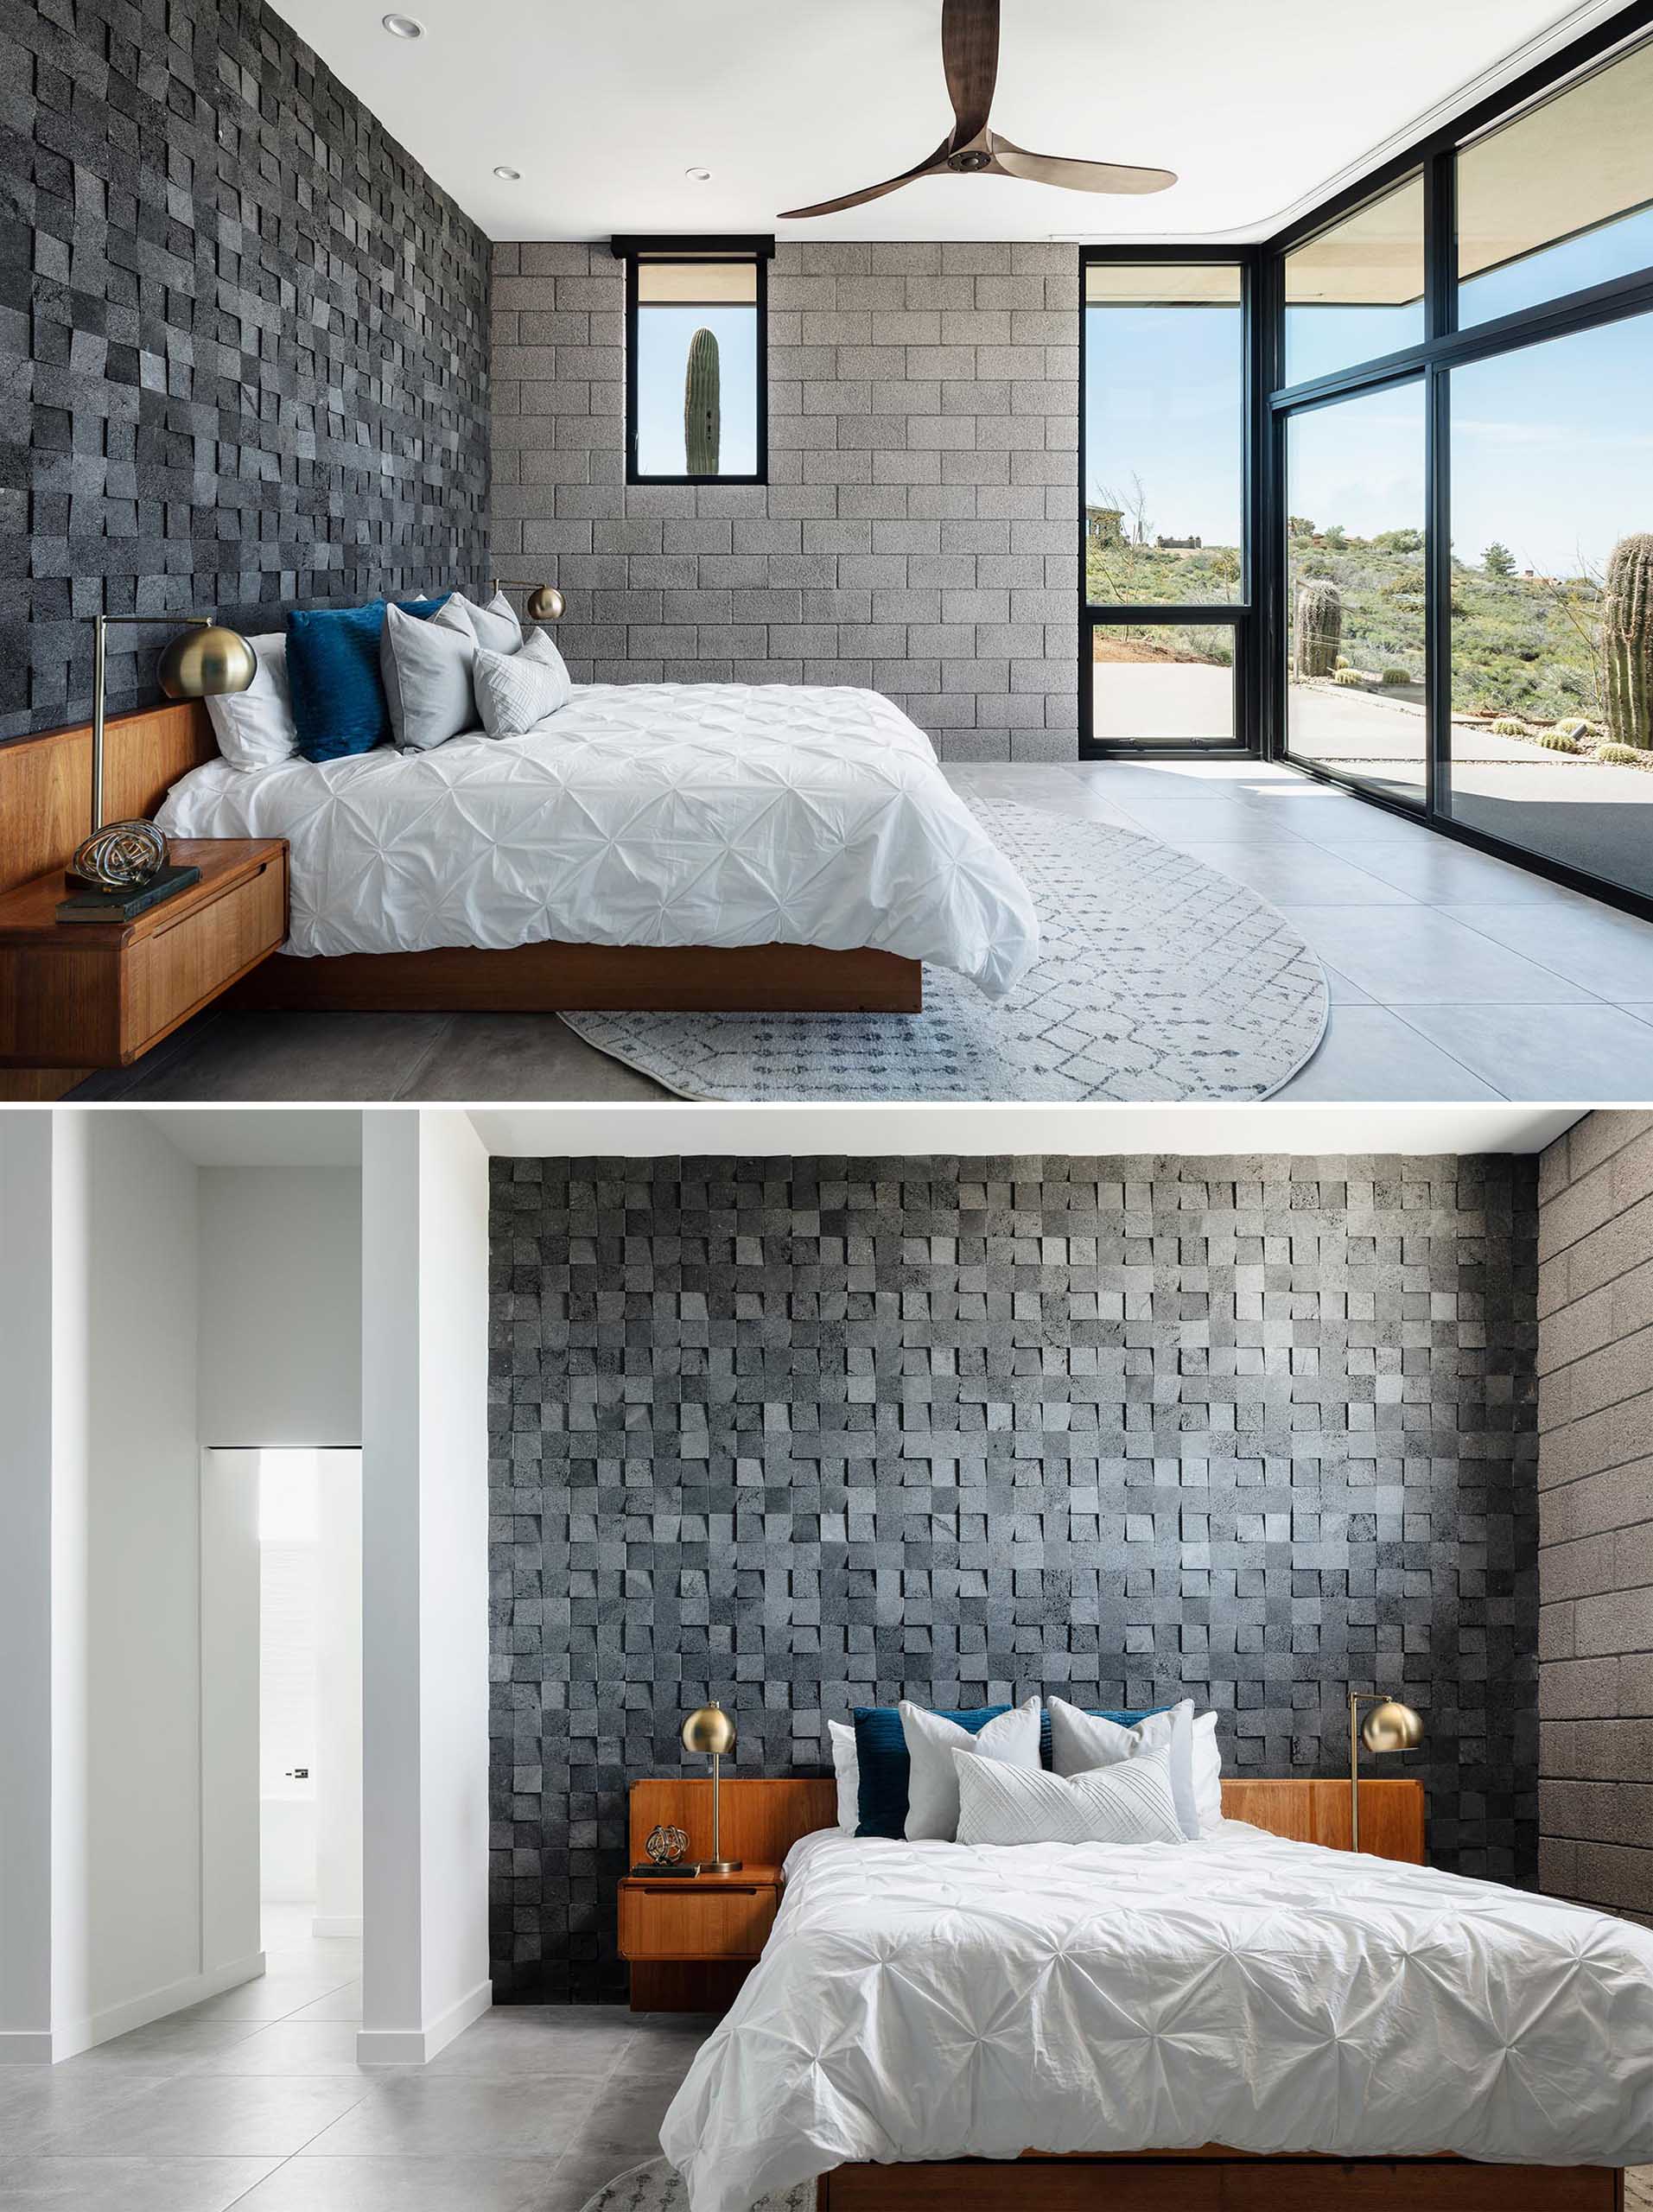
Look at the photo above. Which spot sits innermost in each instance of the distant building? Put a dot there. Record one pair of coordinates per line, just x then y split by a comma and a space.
1179, 544
1105, 525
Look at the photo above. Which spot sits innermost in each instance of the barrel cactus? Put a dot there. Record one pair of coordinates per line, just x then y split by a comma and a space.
1319, 627
1627, 643
702, 419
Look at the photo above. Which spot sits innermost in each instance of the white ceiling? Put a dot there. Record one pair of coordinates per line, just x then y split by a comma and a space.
644, 1132
1258, 104
256, 1137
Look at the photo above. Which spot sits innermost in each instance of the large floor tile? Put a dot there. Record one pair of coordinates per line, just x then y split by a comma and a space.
542, 2040
1369, 1052
478, 2182
1612, 952
73, 2184
311, 2047
39, 2105
1441, 872
494, 1056
240, 1057
343, 2004
216, 2115
268, 1996
1302, 873
1593, 1054
1408, 956
1199, 821
175, 2044
431, 2114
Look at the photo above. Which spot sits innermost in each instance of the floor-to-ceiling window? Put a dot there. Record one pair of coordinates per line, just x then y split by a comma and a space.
1455, 551
1164, 505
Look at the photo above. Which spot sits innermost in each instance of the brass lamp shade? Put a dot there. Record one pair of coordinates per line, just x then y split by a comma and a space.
1389, 1727
710, 1734
545, 604
206, 663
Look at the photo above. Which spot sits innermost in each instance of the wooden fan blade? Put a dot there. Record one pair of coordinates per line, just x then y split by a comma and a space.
937, 163
1076, 176
970, 53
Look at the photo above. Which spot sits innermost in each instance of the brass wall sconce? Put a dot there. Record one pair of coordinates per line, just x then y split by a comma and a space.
120, 868
545, 603
1389, 1727
711, 1733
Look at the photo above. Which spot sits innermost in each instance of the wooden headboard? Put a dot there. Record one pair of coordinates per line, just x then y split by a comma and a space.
46, 781
762, 1816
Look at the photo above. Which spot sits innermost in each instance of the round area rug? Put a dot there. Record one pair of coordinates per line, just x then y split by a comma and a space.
1157, 978
658, 2187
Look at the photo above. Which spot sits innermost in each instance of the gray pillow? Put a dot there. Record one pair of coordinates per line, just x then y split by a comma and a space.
495, 625
515, 691
931, 1739
426, 667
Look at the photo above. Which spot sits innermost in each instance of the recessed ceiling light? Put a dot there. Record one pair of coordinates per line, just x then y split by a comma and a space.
511, 176
698, 177
403, 26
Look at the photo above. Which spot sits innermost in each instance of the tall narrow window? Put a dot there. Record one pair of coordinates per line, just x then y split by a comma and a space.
695, 370
1357, 290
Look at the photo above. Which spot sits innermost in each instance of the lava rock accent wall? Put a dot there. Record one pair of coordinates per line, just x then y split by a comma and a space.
808, 1433
243, 343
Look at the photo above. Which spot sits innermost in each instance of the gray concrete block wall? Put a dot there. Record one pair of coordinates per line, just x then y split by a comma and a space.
1595, 1472
919, 532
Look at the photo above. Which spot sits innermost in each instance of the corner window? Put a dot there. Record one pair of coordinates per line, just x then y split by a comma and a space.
695, 375
1357, 290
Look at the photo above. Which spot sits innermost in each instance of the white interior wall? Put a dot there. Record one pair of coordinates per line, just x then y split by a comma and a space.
338, 1722
280, 1305
424, 1535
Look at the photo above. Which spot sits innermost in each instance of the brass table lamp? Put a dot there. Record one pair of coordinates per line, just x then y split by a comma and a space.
711, 1733
545, 603
121, 867
1389, 1727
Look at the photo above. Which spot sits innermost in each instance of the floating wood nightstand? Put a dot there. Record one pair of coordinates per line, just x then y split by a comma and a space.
98, 995
691, 1939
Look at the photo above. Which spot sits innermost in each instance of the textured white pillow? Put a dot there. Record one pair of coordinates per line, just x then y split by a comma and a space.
933, 1786
494, 626
846, 1764
1128, 1802
1080, 1742
515, 691
255, 728
1208, 1772
538, 647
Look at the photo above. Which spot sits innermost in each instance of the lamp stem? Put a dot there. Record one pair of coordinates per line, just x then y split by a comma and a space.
99, 627
717, 1841
1354, 1772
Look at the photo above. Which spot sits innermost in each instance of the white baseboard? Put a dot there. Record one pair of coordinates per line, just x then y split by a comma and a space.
346, 1925
138, 2011
417, 2046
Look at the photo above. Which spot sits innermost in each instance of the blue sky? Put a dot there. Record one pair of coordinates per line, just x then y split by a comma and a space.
662, 336
1552, 444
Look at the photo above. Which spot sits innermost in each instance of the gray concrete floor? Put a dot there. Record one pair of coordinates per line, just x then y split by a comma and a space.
254, 2098
1454, 975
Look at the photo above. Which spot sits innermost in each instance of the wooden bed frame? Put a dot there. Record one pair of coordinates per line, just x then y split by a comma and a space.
43, 785
763, 1817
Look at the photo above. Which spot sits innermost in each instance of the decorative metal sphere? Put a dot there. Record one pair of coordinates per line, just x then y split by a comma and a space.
1391, 1727
121, 856
666, 1845
206, 663
545, 604
709, 1731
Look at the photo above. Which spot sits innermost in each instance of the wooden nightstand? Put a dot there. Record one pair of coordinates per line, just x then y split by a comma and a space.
691, 1940
98, 995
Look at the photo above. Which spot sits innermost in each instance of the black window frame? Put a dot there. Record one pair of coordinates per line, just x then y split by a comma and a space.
1236, 615
1443, 349
709, 247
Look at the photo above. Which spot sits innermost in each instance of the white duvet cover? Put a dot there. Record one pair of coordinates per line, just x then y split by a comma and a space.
656, 814
930, 2000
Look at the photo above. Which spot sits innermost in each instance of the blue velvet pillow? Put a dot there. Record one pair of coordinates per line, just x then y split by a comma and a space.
1093, 1713
882, 1753
332, 673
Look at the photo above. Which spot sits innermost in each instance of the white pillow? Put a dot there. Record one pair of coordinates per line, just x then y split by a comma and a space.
846, 1764
516, 691
538, 645
1128, 1802
495, 625
426, 668
1081, 1742
255, 728
933, 1786
1208, 1772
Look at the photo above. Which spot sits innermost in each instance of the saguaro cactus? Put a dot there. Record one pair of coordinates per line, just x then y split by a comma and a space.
703, 417
1318, 628
1627, 643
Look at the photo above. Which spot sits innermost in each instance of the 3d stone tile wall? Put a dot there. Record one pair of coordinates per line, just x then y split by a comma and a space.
808, 1433
919, 530
1595, 1473
243, 343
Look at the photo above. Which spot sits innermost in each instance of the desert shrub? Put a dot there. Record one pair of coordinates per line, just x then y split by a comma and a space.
1558, 741
1510, 726
1624, 756
1397, 675
1350, 676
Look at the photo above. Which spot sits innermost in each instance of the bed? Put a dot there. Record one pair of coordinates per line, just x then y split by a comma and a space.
1250, 2019
710, 821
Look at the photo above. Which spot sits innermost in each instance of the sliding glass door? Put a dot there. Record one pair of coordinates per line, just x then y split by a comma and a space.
1163, 512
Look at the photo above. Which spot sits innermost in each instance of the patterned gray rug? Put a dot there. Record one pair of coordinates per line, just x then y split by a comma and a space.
658, 2187
1157, 978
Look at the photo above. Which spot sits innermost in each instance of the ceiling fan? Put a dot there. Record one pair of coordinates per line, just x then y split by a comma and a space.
970, 53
